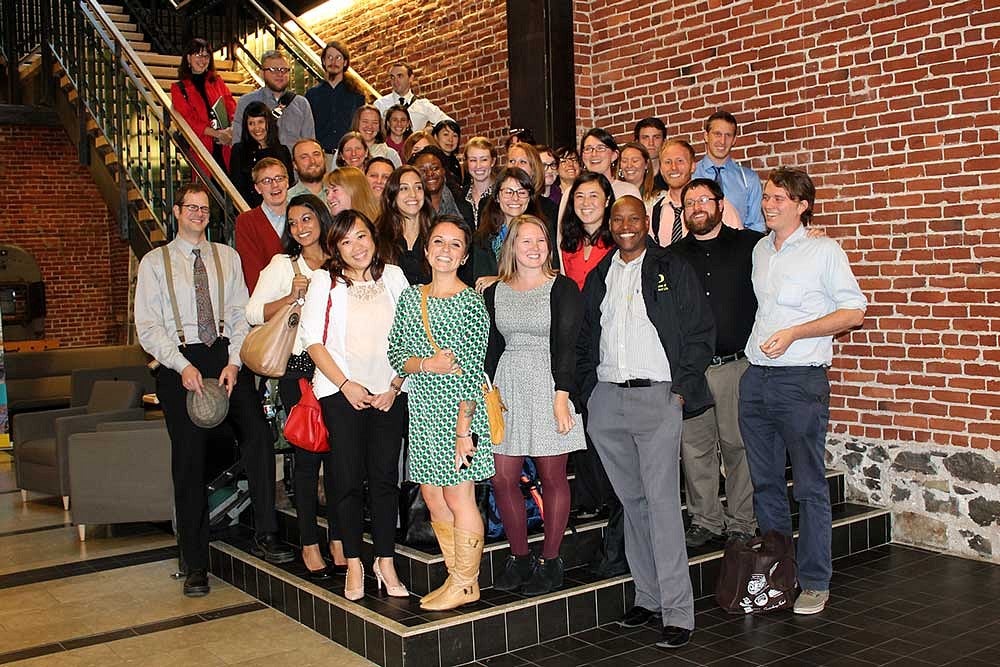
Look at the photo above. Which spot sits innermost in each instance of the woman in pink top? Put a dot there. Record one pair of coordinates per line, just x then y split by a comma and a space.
586, 235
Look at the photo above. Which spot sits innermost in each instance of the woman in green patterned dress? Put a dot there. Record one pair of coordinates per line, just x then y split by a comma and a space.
447, 421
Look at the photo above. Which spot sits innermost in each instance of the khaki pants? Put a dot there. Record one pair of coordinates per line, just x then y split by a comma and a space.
704, 436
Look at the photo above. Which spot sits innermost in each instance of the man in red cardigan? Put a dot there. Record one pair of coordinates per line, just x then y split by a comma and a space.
259, 230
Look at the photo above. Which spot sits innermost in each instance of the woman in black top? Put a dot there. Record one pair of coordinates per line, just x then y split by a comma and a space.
259, 140
535, 315
402, 226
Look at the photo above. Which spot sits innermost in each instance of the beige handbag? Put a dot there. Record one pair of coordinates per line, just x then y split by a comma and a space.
267, 347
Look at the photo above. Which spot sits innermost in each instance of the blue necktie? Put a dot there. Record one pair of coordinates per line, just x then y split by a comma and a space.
718, 174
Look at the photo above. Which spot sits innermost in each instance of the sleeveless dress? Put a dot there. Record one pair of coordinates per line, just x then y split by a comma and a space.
458, 323
524, 376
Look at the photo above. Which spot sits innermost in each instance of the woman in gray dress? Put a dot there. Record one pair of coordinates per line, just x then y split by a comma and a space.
535, 316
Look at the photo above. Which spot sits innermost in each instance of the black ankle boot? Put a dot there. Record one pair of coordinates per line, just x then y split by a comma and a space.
515, 573
548, 577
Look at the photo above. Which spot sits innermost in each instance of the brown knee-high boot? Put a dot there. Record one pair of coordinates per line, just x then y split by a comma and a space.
445, 533
462, 586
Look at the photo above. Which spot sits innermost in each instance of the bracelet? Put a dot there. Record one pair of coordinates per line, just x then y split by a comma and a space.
396, 388
341, 385
464, 435
422, 360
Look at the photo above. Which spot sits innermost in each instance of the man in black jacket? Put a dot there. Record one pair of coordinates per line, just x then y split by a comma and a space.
647, 338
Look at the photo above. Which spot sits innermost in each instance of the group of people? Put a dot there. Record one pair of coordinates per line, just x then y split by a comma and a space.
628, 339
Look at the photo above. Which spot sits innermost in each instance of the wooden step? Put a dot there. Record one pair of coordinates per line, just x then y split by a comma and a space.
144, 215
236, 89
167, 73
140, 46
117, 17
159, 59
92, 126
132, 36
134, 195
113, 9
101, 143
111, 159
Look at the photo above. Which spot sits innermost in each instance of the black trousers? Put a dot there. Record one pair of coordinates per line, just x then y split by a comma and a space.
188, 449
365, 445
306, 477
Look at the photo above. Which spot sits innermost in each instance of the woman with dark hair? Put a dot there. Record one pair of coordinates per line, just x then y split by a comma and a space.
195, 97
259, 140
550, 167
448, 134
600, 155
449, 420
416, 142
527, 157
282, 282
368, 123
398, 127
586, 231
513, 195
378, 170
402, 226
346, 319
535, 316
352, 151
569, 166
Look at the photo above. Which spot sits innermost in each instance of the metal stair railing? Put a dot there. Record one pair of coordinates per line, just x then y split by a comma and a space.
242, 30
157, 151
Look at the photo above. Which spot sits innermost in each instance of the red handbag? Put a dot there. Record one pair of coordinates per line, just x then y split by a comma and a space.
305, 427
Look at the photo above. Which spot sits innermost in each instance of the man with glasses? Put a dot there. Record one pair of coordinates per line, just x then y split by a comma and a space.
295, 118
806, 295
191, 318
722, 258
334, 101
423, 112
259, 230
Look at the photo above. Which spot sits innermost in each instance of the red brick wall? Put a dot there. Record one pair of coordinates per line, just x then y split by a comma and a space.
458, 51
50, 206
893, 109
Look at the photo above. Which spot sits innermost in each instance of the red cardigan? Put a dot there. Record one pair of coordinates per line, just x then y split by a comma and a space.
192, 107
256, 243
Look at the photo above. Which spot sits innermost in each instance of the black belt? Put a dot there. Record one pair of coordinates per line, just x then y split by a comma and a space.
631, 384
719, 361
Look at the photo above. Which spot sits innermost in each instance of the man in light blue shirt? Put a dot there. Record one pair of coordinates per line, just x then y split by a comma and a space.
740, 184
806, 294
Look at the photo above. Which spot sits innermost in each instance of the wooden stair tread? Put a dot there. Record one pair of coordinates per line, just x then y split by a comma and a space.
152, 58
169, 74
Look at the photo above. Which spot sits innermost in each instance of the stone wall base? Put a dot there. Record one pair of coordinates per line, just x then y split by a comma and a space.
942, 498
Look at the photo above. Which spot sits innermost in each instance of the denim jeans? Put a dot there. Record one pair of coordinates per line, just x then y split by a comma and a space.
786, 410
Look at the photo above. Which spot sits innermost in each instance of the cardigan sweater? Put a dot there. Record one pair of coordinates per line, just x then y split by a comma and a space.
257, 243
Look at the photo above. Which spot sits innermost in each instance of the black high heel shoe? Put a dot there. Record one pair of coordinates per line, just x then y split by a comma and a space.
324, 574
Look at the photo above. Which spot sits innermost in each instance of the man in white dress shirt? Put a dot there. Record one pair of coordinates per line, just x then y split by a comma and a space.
423, 112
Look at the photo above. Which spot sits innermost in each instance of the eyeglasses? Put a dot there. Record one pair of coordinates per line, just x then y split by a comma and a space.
600, 149
550, 166
201, 54
702, 201
194, 208
272, 180
333, 58
569, 160
511, 193
278, 70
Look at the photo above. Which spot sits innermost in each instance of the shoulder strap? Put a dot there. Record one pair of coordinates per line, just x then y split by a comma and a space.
169, 275
326, 320
655, 222
222, 288
424, 291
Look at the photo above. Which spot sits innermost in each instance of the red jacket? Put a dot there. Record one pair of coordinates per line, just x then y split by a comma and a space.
256, 243
188, 102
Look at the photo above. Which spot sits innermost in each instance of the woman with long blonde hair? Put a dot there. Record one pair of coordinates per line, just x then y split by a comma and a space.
348, 188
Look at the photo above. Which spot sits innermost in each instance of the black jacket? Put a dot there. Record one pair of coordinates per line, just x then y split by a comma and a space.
680, 312
566, 312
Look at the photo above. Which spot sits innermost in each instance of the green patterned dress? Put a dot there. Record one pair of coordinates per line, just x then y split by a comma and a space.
459, 323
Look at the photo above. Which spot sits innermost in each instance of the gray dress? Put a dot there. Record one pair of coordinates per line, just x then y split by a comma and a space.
524, 376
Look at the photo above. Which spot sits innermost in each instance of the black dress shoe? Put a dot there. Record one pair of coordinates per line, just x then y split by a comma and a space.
674, 637
637, 617
271, 549
324, 574
196, 584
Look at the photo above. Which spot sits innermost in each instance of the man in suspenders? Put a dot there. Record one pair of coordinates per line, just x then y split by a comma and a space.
190, 302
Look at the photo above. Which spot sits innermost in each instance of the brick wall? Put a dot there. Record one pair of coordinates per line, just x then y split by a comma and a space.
50, 206
458, 51
893, 109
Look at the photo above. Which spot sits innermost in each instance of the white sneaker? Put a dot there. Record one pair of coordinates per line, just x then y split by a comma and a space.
811, 602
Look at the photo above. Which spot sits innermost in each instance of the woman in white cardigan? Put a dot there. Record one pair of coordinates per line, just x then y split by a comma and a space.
283, 281
346, 318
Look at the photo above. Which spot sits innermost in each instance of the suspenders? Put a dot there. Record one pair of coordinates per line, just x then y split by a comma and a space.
168, 270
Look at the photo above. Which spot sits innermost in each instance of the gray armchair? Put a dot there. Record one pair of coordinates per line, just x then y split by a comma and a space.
121, 474
41, 439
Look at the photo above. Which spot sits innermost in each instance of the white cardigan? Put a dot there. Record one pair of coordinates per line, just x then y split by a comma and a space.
314, 314
274, 283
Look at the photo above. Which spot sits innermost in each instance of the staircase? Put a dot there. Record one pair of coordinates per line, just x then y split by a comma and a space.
393, 631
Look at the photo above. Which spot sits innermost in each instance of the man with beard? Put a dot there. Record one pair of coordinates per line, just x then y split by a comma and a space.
646, 340
310, 165
259, 230
722, 258
334, 101
295, 118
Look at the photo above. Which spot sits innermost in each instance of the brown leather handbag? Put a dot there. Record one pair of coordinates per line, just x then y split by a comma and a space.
267, 347
757, 576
